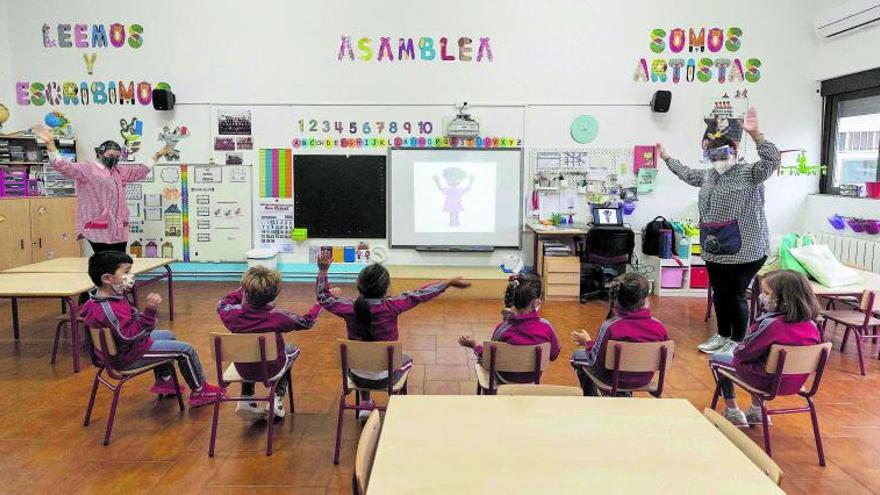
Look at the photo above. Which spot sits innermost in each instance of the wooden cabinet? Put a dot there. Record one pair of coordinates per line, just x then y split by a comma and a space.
562, 277
37, 229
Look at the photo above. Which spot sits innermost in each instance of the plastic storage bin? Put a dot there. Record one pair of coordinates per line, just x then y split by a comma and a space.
672, 277
267, 257
699, 277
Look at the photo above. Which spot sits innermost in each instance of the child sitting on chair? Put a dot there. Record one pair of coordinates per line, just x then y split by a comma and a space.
522, 324
373, 315
251, 309
630, 321
137, 343
790, 308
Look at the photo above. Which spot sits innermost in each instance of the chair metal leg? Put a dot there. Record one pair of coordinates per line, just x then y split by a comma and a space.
339, 419
479, 389
177, 388
290, 390
845, 339
357, 402
271, 419
112, 416
92, 399
214, 422
858, 340
765, 420
57, 338
815, 419
716, 395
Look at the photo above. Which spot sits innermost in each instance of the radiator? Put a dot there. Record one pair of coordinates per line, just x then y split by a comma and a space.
859, 252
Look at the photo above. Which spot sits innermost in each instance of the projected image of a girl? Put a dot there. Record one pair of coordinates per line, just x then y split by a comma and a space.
454, 192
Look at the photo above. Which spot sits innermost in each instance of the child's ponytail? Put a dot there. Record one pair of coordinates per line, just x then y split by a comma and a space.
364, 318
372, 283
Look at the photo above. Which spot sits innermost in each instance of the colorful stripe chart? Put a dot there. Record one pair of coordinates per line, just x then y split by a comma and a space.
184, 202
276, 173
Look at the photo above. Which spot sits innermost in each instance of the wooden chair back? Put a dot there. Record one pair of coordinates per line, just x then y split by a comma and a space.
108, 348
540, 390
639, 357
511, 358
745, 444
244, 347
371, 356
799, 360
366, 451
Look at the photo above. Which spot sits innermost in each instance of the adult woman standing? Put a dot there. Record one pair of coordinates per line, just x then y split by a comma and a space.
101, 211
734, 236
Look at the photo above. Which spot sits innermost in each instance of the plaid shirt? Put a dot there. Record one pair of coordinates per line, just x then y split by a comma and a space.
738, 194
101, 211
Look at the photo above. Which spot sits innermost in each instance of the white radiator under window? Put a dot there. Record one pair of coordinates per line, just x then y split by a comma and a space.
860, 252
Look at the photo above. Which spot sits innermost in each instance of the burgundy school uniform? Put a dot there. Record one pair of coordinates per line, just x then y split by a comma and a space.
385, 311
241, 317
131, 327
631, 326
525, 329
750, 356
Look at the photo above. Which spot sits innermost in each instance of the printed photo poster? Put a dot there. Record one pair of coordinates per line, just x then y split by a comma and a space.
219, 210
276, 223
233, 122
724, 116
156, 214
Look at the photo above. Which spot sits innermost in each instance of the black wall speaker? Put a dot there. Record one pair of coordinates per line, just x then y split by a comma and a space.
163, 99
661, 101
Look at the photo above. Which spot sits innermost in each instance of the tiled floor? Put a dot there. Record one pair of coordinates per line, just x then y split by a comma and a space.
156, 449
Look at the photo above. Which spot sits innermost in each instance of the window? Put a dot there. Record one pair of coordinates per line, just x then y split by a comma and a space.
851, 130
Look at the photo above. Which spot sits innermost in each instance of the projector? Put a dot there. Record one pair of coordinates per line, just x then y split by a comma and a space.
463, 126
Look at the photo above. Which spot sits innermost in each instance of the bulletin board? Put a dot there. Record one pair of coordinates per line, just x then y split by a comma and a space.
192, 212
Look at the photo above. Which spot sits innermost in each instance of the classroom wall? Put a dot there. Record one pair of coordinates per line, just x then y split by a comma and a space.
848, 53
552, 62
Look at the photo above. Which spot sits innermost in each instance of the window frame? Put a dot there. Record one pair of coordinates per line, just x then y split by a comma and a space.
834, 91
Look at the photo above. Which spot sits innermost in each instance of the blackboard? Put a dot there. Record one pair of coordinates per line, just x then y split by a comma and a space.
338, 196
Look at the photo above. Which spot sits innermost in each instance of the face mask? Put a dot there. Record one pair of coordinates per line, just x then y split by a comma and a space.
722, 166
769, 304
125, 284
109, 161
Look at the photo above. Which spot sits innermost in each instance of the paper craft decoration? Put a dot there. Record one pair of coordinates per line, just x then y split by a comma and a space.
803, 167
133, 191
153, 200
643, 157
131, 132
173, 226
276, 173
237, 174
171, 193
171, 138
276, 224
171, 175
152, 214
646, 179
584, 129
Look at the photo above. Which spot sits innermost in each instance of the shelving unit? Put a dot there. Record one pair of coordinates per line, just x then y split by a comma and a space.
692, 278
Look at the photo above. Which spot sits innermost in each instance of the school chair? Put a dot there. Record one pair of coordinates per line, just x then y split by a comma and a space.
64, 321
746, 445
366, 454
540, 390
367, 357
856, 321
249, 348
785, 360
102, 338
500, 357
635, 357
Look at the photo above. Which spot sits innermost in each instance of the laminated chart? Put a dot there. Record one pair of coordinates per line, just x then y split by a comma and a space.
276, 173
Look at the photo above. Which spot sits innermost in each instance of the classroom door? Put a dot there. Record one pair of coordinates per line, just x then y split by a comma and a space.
53, 228
15, 233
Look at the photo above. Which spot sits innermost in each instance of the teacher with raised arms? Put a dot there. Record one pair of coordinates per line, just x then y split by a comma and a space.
734, 236
101, 211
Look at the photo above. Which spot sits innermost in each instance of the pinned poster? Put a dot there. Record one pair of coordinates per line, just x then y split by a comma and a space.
646, 179
276, 173
276, 223
644, 157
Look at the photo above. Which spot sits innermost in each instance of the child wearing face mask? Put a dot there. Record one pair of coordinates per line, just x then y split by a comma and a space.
138, 344
790, 308
522, 324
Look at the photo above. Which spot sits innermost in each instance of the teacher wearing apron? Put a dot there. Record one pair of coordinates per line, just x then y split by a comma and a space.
734, 237
101, 211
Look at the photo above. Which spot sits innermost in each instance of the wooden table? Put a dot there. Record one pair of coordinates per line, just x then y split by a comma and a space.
870, 281
64, 286
81, 265
543, 231
504, 444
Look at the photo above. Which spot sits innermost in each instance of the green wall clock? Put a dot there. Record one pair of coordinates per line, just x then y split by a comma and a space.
584, 129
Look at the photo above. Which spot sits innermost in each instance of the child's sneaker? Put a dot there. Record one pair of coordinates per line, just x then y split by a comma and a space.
164, 387
754, 417
736, 417
250, 411
279, 408
363, 416
206, 395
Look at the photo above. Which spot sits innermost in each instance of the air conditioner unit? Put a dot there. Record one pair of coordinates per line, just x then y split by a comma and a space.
846, 18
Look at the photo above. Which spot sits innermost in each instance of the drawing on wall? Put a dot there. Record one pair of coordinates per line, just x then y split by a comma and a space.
136, 249
173, 226
171, 193
170, 175
237, 174
151, 250
152, 214
131, 132
153, 200
172, 137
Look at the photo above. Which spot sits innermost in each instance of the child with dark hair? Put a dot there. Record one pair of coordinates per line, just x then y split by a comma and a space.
251, 309
790, 310
373, 315
522, 324
137, 343
630, 321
